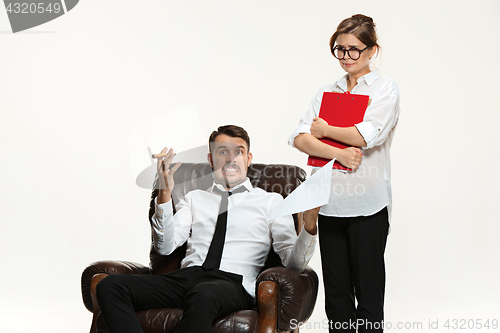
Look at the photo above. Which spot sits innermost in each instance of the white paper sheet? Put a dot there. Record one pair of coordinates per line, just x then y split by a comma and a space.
314, 192
169, 130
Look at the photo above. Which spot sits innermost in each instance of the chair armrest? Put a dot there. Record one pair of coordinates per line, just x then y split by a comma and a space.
107, 267
297, 294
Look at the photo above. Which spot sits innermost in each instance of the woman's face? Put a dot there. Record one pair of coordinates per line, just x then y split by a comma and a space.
361, 66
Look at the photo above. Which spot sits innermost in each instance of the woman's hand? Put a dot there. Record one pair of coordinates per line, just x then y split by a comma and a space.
319, 128
166, 175
350, 157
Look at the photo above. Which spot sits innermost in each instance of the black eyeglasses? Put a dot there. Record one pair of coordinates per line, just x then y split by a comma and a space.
354, 53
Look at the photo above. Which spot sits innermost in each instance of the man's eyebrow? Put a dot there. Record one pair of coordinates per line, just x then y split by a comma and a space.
226, 147
221, 147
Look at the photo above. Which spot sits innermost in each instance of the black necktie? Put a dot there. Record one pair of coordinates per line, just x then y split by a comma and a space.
217, 245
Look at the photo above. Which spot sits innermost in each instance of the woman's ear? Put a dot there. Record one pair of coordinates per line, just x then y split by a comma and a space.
373, 51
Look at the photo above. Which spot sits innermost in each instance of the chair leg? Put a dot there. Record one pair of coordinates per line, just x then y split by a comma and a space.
95, 306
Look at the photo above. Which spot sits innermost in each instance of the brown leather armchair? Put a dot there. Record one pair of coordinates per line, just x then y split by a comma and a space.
282, 294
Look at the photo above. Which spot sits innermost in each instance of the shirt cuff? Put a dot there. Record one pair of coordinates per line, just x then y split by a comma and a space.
301, 129
306, 238
164, 210
368, 132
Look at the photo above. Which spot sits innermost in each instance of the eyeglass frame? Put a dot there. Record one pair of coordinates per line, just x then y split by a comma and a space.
346, 51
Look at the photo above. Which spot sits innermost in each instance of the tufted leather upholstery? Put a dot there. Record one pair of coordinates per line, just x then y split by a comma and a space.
282, 294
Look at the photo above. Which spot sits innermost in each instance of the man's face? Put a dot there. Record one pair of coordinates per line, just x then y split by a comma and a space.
229, 159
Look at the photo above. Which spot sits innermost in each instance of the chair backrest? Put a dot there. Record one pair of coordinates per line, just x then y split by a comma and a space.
278, 178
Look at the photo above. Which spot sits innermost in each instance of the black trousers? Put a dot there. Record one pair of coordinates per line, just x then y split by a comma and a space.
352, 257
203, 295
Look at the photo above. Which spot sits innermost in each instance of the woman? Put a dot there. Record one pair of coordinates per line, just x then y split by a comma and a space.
354, 224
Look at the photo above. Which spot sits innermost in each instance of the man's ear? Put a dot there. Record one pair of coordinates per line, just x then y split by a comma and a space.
250, 156
210, 161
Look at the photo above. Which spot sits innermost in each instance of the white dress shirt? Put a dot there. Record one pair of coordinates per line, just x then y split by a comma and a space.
367, 190
249, 234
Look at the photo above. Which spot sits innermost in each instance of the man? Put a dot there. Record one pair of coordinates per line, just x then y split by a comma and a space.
228, 239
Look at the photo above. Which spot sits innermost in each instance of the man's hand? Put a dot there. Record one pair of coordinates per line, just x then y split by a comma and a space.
319, 128
166, 175
350, 157
310, 219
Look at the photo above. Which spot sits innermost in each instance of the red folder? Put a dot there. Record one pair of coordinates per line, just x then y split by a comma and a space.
341, 110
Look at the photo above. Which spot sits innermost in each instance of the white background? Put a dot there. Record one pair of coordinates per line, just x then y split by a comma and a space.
72, 90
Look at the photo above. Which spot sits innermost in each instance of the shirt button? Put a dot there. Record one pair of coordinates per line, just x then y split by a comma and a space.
161, 212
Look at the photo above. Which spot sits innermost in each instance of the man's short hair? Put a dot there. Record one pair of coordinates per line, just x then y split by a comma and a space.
232, 131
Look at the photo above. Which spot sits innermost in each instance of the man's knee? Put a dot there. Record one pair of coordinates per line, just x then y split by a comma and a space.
108, 285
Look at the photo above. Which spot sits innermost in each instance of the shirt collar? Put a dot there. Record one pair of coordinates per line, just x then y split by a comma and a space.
247, 184
368, 78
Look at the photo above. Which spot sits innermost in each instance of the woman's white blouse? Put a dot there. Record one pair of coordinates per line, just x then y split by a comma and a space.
367, 190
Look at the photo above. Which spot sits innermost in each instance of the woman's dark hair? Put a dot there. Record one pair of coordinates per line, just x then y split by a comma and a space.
232, 131
361, 26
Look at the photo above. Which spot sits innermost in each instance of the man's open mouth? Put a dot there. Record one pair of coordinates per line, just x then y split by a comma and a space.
230, 169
